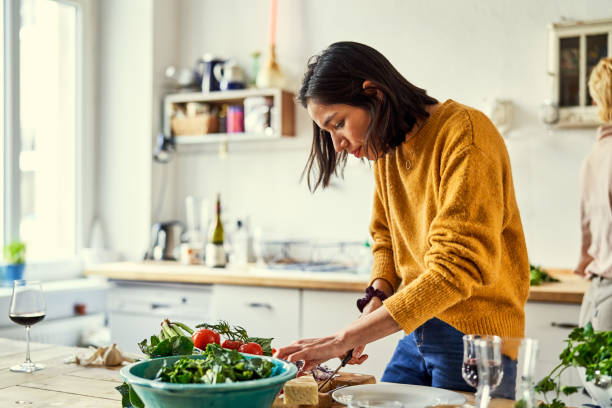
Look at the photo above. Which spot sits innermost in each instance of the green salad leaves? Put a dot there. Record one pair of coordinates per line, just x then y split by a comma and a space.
537, 276
219, 366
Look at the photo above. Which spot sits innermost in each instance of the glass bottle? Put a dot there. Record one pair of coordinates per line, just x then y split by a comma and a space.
215, 253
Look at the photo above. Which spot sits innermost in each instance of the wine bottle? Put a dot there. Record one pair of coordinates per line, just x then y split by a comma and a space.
215, 253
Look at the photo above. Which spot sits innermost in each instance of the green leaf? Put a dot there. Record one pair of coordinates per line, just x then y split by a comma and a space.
135, 399
569, 390
520, 404
162, 349
124, 390
181, 346
14, 252
265, 343
557, 403
129, 399
537, 275
546, 384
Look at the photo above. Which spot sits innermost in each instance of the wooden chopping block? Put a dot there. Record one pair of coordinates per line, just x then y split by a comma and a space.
348, 379
325, 399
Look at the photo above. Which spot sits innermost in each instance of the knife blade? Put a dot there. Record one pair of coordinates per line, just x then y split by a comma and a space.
345, 360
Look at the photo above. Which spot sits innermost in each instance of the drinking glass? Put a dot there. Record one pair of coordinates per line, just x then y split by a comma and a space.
482, 365
527, 356
27, 308
490, 372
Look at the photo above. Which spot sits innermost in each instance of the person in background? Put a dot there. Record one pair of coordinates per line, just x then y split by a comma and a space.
449, 250
596, 208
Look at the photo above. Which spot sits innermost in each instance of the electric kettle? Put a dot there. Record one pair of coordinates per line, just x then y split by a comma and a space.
230, 75
165, 237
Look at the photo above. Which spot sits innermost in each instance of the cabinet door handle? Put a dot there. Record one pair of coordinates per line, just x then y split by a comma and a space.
260, 305
159, 306
564, 325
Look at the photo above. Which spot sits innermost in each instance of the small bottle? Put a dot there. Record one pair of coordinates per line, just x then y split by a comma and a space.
240, 245
215, 253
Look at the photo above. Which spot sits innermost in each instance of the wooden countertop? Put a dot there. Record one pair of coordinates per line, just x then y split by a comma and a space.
59, 384
570, 290
70, 385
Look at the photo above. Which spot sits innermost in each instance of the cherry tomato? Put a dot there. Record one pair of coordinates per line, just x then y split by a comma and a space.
273, 351
203, 337
231, 344
251, 348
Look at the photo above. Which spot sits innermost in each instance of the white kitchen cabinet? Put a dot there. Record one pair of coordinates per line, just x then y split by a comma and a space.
326, 312
262, 311
550, 323
136, 309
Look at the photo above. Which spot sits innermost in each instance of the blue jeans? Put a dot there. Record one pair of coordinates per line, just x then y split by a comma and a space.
432, 355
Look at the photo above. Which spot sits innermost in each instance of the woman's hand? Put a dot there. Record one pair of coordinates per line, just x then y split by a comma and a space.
316, 351
374, 323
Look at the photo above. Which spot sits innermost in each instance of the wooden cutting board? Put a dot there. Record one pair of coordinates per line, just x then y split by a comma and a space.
325, 399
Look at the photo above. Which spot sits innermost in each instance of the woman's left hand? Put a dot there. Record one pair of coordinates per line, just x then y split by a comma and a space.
316, 351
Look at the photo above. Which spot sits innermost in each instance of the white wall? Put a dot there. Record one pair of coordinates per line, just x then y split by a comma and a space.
125, 97
469, 51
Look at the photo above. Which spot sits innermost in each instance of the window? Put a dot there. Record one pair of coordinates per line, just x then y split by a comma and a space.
42, 126
574, 49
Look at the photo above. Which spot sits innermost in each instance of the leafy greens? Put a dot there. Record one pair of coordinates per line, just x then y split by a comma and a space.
219, 366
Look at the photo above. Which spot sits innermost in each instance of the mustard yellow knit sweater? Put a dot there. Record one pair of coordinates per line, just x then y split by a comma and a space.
446, 227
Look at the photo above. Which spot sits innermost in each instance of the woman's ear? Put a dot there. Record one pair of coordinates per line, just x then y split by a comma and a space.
370, 88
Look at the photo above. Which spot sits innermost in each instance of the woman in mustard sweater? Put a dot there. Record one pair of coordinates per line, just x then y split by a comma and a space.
449, 250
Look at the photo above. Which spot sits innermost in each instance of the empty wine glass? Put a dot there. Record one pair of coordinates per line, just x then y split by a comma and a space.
482, 365
27, 308
527, 355
490, 372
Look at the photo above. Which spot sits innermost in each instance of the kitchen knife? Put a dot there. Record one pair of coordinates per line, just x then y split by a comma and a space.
342, 364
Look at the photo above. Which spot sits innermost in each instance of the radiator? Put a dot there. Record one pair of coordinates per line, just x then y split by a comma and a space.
65, 332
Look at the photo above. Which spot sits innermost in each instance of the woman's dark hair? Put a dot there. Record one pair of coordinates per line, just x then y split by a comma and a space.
336, 76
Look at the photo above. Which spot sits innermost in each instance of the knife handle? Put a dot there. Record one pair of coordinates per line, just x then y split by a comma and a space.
346, 359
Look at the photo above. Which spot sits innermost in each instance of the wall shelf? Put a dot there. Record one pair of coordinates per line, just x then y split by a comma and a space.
221, 137
282, 120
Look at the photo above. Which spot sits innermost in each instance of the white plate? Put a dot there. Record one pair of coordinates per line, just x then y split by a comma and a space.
412, 396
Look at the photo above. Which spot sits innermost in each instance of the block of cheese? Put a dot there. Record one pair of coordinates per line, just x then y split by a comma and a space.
279, 402
301, 391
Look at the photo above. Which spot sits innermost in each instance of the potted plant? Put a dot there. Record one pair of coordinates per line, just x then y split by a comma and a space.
590, 352
14, 258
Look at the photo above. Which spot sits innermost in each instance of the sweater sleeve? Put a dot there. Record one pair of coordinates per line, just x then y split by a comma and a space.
464, 239
382, 251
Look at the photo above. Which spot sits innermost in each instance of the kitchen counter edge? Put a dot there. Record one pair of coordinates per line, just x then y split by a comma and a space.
570, 289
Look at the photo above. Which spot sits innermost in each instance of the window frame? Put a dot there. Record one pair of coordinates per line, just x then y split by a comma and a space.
84, 123
581, 116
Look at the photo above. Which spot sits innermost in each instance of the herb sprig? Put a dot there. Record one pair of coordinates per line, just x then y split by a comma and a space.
537, 276
585, 348
239, 333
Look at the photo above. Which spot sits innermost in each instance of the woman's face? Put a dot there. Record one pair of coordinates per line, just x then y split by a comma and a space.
346, 124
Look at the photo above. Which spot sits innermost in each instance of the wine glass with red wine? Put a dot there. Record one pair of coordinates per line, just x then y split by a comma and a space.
27, 308
482, 365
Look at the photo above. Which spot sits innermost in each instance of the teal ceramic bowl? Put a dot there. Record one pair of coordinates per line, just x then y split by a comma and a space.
258, 393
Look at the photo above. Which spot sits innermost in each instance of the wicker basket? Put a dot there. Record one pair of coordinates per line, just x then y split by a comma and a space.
195, 125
